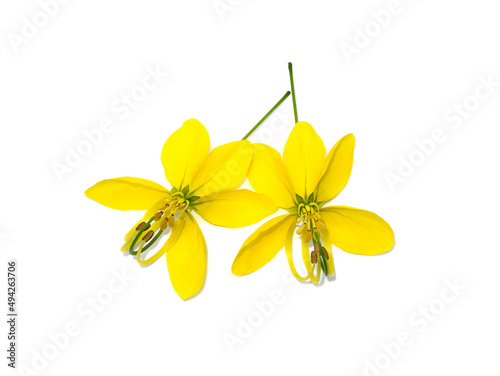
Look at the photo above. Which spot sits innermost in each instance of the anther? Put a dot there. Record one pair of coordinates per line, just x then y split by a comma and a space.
301, 229
326, 253
158, 215
140, 226
171, 221
316, 247
309, 236
148, 236
314, 257
164, 224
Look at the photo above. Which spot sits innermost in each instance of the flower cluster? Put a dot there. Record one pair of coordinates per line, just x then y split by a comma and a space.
204, 183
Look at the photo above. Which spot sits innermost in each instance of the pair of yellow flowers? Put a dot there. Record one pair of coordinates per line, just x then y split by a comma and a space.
301, 181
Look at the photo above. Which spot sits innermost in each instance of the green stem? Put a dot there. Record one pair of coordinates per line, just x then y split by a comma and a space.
267, 115
290, 70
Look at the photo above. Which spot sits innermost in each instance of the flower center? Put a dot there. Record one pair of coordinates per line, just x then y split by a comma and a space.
311, 226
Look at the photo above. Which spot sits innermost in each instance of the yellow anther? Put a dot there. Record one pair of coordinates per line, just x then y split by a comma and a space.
164, 224
171, 221
158, 215
301, 229
309, 236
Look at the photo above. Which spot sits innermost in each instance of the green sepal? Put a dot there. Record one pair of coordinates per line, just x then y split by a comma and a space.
299, 199
310, 198
185, 191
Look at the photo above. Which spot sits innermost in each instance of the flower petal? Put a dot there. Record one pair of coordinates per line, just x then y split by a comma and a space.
337, 170
127, 193
225, 167
304, 158
262, 245
235, 208
268, 176
184, 151
357, 231
187, 259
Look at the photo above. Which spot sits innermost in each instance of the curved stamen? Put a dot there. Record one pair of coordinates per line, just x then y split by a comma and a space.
144, 228
150, 243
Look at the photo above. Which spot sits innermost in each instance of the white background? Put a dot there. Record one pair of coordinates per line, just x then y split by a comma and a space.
227, 71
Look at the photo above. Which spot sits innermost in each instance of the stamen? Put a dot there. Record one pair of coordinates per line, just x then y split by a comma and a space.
171, 221
158, 215
164, 224
158, 234
148, 236
316, 247
325, 252
314, 257
301, 229
309, 236
141, 231
140, 226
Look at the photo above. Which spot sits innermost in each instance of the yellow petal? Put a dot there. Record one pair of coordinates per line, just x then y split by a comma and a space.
262, 245
268, 176
304, 158
289, 254
184, 151
337, 170
225, 167
235, 208
127, 193
357, 231
187, 259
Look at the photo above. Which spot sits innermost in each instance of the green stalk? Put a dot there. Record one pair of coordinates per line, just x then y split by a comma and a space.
267, 115
290, 70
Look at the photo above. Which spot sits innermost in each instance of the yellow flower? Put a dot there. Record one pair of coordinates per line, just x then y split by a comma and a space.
302, 183
203, 183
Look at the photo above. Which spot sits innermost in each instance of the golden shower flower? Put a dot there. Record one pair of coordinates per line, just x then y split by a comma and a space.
202, 183
302, 183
